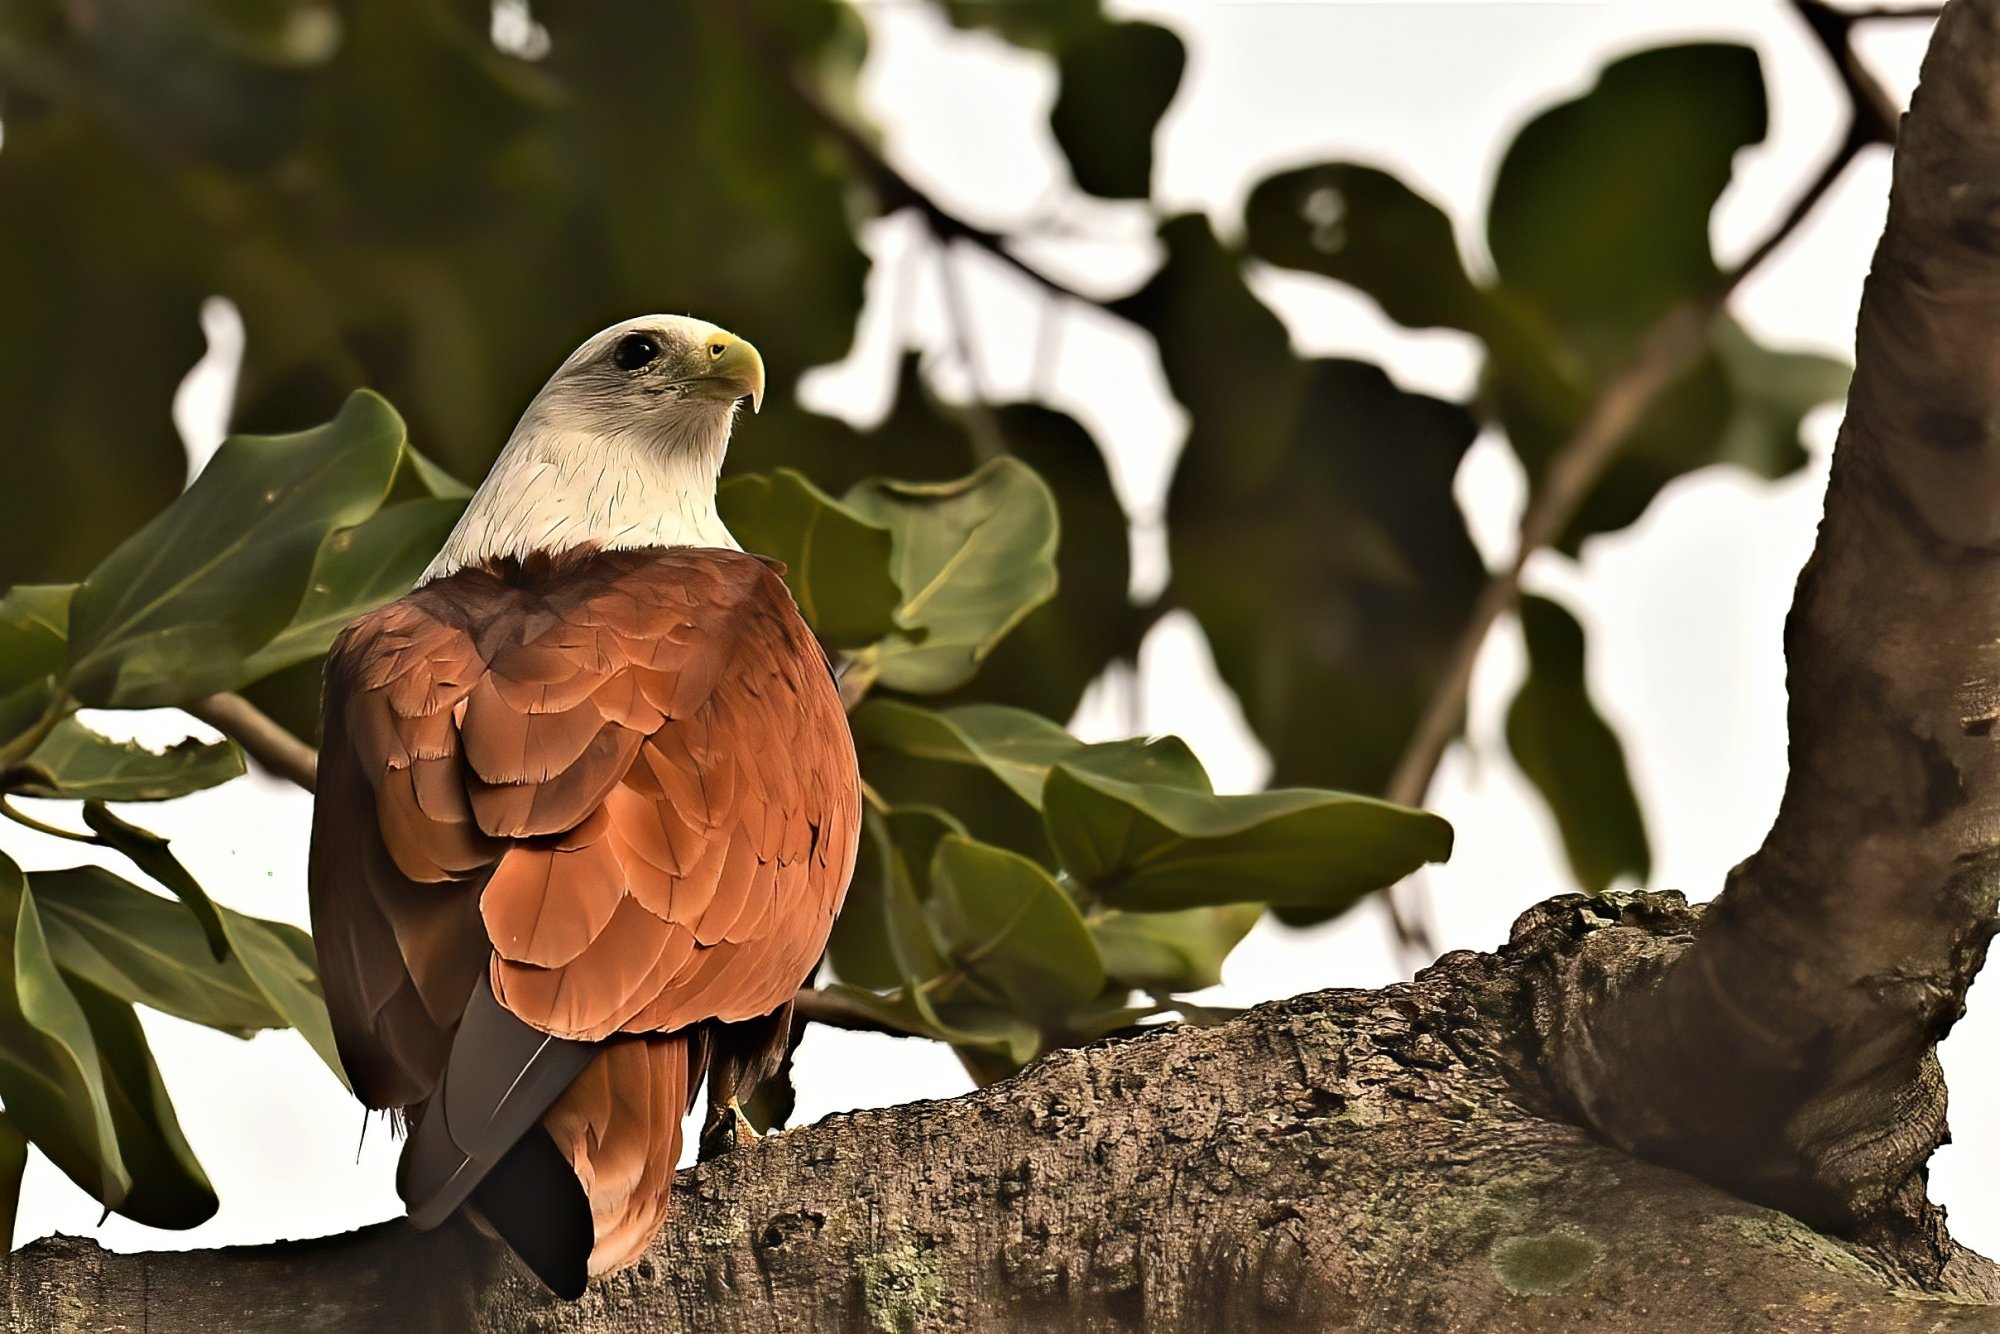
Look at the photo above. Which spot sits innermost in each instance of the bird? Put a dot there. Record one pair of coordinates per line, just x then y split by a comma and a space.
587, 805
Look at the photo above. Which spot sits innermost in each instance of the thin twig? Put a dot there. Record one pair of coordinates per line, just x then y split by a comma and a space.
1871, 12
824, 1007
896, 189
984, 428
276, 751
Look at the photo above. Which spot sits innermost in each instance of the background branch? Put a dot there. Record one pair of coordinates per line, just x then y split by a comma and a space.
263, 739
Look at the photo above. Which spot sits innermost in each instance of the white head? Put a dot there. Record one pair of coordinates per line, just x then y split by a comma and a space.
621, 448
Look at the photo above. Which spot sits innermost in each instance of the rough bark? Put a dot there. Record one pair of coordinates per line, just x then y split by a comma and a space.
1346, 1160
1786, 1050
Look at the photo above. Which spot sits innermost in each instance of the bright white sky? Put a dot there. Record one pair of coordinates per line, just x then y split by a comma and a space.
1684, 610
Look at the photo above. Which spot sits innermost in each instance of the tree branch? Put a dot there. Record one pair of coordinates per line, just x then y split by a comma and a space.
263, 739
1788, 1051
897, 190
1369, 1161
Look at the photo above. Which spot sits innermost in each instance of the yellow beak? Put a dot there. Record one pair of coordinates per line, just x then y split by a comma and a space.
736, 365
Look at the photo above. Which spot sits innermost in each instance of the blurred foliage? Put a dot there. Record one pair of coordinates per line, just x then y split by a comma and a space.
405, 213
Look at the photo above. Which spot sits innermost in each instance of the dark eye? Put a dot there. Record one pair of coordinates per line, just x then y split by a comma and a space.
634, 351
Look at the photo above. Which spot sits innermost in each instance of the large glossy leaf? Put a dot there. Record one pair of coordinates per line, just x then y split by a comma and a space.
169, 1187
281, 963
1572, 756
34, 632
356, 570
1333, 584
1599, 218
174, 611
972, 557
1599, 226
1366, 228
1006, 922
1171, 951
1740, 403
1047, 661
51, 1077
1129, 825
1227, 356
76, 762
1771, 392
155, 856
34, 655
882, 938
149, 950
1116, 82
836, 562
1016, 746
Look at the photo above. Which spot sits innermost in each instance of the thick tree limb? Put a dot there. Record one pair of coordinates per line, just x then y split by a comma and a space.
1350, 1160
1787, 1050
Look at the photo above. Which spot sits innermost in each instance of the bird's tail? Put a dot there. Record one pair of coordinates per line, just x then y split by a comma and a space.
619, 1128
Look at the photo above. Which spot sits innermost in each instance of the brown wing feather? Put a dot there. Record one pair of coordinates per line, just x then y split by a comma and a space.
714, 823
620, 1127
623, 784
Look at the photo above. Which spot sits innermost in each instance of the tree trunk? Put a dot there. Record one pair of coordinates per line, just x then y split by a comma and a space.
1346, 1160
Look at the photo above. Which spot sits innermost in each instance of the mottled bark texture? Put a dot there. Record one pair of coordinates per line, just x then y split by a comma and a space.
1346, 1160
1787, 1049
1579, 1132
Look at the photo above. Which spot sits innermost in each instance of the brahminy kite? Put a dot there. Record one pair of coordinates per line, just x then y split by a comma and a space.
587, 806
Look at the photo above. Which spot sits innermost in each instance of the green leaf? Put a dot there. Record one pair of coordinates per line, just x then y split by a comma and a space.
356, 570
882, 938
971, 557
1600, 216
1572, 756
1171, 951
153, 855
1117, 81
169, 1187
1016, 746
1333, 584
1050, 659
34, 632
1771, 392
435, 481
76, 762
1599, 227
149, 950
51, 1077
280, 961
34, 655
1367, 229
172, 614
1006, 922
836, 562
1126, 824
1228, 358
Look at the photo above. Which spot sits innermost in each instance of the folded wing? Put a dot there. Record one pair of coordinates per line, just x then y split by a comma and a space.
619, 786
